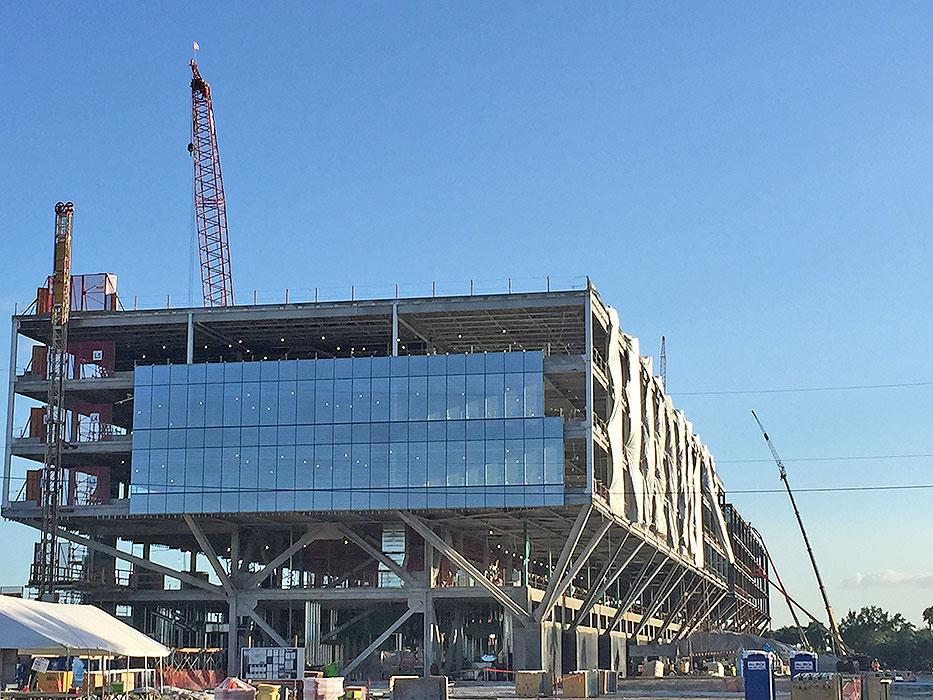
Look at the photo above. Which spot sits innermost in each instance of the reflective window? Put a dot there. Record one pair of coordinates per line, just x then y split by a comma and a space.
440, 431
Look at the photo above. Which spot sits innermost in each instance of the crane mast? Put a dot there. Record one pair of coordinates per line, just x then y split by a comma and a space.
839, 647
47, 560
210, 209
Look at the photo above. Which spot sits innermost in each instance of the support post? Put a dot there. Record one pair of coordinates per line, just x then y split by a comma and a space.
189, 353
639, 585
663, 594
209, 552
377, 642
378, 555
679, 609
454, 556
550, 593
428, 627
568, 577
606, 579
255, 579
394, 344
233, 637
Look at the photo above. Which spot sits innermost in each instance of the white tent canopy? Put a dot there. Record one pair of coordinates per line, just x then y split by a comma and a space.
32, 627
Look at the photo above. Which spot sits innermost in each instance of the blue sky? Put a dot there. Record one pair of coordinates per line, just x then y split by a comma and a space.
753, 182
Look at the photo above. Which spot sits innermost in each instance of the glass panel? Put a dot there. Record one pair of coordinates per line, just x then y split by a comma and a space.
514, 462
380, 399
475, 396
475, 463
288, 401
456, 463
437, 457
343, 397
534, 461
417, 398
514, 395
534, 394
437, 397
495, 462
305, 406
456, 397
398, 397
495, 396
362, 400
195, 417
250, 403
269, 403
324, 401
554, 461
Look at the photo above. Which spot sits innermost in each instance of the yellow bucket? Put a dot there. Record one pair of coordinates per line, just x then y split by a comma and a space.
267, 691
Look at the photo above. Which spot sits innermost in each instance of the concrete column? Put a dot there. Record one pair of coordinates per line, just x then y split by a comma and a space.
428, 632
233, 639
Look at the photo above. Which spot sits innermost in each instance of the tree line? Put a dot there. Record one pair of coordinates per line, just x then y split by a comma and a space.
892, 639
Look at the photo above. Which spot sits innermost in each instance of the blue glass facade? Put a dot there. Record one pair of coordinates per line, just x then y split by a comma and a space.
438, 431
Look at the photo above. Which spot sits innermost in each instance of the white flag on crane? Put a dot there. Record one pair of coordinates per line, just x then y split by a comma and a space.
196, 46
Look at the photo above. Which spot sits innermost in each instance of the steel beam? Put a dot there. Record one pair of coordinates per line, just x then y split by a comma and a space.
705, 613
378, 555
211, 555
255, 579
377, 642
680, 607
550, 593
664, 592
431, 537
263, 625
349, 623
639, 584
567, 579
218, 591
606, 579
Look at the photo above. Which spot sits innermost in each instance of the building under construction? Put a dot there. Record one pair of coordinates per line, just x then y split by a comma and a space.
386, 483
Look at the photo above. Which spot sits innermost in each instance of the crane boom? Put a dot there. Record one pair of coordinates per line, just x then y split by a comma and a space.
46, 571
839, 647
210, 208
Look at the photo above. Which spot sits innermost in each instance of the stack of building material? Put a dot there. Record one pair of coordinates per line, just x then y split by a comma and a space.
653, 669
532, 684
575, 686
416, 688
234, 689
323, 688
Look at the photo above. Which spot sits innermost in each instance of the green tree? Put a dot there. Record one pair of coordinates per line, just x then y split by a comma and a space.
890, 638
928, 617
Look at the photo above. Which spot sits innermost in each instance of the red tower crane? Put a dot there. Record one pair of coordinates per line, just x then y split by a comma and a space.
210, 209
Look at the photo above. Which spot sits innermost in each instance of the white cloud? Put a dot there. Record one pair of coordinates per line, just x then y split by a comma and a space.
888, 577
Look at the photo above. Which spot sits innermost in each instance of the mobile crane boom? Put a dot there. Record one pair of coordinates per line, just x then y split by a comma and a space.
839, 647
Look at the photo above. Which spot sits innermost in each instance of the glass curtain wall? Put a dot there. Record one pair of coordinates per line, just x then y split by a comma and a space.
438, 431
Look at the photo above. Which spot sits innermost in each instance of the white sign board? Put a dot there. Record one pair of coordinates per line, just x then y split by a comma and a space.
40, 664
272, 663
